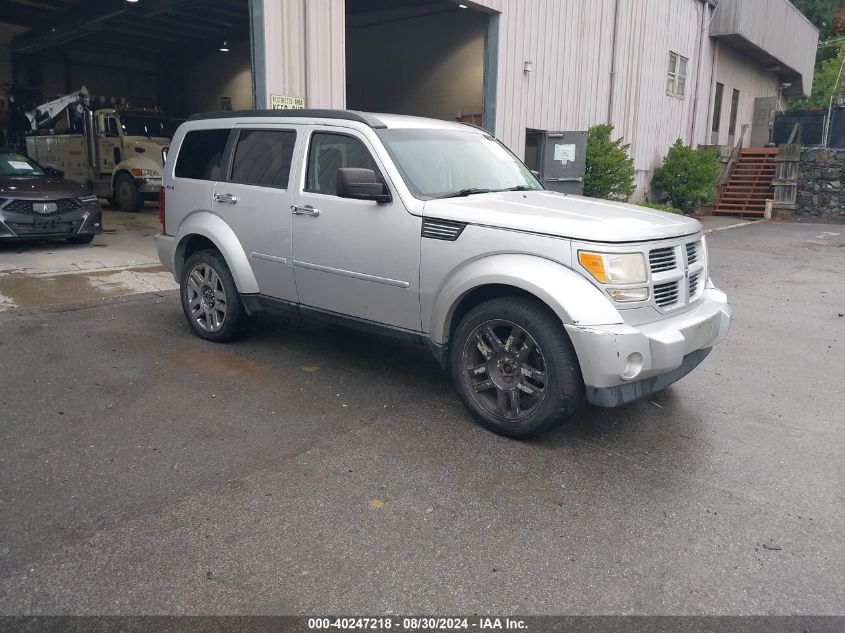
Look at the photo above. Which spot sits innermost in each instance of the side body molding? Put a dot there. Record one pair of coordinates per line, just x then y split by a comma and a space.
574, 299
221, 234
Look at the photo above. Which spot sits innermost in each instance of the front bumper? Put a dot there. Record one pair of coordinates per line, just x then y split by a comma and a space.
148, 185
85, 220
621, 363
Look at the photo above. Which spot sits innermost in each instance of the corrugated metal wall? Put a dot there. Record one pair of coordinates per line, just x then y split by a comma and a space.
305, 44
569, 43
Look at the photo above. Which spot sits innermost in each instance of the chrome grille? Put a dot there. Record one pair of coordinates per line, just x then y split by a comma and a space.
666, 294
693, 284
692, 252
662, 259
28, 206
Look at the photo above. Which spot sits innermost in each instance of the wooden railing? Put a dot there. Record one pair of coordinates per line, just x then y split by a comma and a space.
734, 156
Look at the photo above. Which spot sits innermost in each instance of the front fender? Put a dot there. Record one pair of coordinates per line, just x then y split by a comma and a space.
133, 162
574, 299
221, 234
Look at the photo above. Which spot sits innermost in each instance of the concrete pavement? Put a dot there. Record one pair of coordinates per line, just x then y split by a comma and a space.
309, 469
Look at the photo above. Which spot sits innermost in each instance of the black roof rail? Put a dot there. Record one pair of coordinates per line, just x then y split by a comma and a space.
345, 115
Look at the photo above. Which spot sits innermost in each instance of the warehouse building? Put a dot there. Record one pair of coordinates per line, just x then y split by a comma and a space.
532, 72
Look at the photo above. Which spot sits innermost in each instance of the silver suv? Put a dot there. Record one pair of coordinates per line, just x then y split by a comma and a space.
437, 233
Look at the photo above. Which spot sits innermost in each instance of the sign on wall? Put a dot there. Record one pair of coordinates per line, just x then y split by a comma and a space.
279, 102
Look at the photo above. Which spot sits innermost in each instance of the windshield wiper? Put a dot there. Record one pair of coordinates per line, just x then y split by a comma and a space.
463, 193
520, 188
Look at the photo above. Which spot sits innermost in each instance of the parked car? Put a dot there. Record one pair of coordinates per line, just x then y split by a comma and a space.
37, 202
435, 232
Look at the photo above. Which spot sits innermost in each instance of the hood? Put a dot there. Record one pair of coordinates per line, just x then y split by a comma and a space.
44, 188
563, 215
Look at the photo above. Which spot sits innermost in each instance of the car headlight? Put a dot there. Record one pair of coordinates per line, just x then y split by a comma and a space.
87, 199
145, 173
615, 268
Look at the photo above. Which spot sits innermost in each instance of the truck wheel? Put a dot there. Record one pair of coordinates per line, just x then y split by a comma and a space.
210, 298
126, 193
515, 368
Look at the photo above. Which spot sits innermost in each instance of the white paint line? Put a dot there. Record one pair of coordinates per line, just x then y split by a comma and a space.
732, 226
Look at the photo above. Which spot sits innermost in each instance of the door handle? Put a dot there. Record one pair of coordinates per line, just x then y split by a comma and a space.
304, 210
226, 198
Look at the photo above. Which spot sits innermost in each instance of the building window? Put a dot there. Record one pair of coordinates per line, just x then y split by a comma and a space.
717, 107
734, 108
676, 78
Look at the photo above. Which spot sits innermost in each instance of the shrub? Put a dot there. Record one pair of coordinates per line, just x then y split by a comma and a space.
659, 206
688, 176
610, 171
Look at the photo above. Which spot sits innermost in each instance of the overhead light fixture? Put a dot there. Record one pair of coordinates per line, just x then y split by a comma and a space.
224, 47
131, 1
462, 6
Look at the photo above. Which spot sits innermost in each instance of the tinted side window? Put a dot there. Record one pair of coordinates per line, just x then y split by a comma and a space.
330, 152
263, 157
201, 154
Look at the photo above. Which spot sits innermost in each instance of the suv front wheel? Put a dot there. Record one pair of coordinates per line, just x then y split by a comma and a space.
210, 298
515, 368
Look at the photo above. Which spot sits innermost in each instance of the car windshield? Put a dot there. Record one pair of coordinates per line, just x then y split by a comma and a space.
141, 125
19, 165
452, 163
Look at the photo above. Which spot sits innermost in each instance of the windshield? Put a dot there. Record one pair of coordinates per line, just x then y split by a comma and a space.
19, 165
140, 125
451, 163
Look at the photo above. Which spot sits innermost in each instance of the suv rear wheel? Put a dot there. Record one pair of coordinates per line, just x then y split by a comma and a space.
515, 368
210, 298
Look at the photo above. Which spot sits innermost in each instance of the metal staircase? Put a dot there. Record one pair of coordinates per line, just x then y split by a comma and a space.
749, 184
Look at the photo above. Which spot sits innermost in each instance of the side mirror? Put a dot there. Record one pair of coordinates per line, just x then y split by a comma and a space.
361, 184
52, 171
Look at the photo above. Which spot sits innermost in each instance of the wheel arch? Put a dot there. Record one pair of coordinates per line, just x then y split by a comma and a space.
566, 293
202, 230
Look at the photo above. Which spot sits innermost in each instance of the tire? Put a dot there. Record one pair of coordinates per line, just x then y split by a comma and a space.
126, 193
80, 239
524, 379
211, 288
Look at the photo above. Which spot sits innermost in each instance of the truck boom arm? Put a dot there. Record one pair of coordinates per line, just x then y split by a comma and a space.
46, 113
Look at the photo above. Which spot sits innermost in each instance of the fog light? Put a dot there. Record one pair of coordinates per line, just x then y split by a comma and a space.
628, 294
633, 366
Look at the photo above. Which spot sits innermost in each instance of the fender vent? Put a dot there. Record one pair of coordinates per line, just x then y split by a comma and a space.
442, 229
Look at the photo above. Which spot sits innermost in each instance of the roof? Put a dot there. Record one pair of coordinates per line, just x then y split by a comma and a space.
373, 120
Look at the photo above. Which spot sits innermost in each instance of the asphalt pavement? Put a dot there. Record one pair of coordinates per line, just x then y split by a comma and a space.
309, 469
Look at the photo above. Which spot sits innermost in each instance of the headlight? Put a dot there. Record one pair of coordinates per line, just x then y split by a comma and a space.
615, 268
87, 199
145, 173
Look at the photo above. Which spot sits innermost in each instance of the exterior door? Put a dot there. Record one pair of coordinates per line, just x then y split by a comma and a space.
764, 118
564, 159
253, 197
354, 257
108, 141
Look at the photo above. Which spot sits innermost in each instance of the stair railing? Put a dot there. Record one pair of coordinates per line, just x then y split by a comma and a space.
735, 152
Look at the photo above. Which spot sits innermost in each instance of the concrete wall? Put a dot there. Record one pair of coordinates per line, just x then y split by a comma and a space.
219, 75
395, 68
821, 184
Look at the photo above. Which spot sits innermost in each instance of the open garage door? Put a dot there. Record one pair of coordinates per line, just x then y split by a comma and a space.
181, 56
418, 57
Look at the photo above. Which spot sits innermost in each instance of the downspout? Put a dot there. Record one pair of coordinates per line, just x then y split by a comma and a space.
694, 118
613, 61
305, 52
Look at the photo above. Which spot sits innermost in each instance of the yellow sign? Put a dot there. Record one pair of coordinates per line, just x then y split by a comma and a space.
278, 102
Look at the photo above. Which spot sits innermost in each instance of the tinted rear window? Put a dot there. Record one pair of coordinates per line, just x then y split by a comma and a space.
201, 154
263, 157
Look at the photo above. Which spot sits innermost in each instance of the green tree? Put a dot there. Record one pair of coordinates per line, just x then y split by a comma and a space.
822, 13
688, 176
610, 170
824, 83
